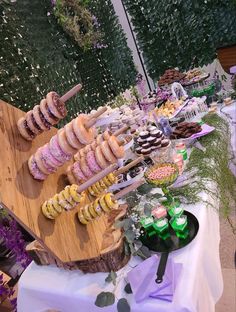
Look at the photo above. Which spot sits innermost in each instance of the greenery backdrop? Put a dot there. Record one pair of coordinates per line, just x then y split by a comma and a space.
38, 56
181, 33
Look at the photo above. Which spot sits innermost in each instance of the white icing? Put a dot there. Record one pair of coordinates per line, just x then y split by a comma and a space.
180, 221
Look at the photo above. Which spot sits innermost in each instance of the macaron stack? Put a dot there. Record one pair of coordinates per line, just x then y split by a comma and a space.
66, 199
42, 117
93, 161
61, 147
101, 186
150, 140
102, 204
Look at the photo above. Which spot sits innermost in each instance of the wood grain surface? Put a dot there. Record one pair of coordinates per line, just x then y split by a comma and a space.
65, 237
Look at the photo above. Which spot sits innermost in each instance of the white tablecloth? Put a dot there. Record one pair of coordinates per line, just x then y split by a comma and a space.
199, 287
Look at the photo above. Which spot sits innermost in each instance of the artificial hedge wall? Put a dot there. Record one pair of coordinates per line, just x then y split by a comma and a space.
37, 56
181, 33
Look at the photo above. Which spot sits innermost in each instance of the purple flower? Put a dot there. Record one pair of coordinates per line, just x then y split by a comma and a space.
53, 2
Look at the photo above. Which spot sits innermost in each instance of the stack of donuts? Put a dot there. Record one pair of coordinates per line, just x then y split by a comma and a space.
50, 111
101, 186
92, 147
102, 204
98, 156
66, 199
62, 146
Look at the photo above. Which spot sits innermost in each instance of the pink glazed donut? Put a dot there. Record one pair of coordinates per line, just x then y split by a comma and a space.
92, 163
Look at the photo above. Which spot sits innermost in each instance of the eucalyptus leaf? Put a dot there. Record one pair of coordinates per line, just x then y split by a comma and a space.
128, 289
147, 209
130, 236
144, 252
105, 299
111, 278
144, 188
123, 305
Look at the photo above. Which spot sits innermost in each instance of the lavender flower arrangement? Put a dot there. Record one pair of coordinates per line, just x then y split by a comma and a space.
6, 292
13, 240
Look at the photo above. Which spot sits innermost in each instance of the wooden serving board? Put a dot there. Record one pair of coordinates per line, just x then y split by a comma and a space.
64, 238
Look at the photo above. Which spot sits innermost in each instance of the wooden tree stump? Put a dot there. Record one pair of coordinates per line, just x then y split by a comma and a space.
95, 247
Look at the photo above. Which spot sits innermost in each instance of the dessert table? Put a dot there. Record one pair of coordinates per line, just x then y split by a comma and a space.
198, 288
199, 285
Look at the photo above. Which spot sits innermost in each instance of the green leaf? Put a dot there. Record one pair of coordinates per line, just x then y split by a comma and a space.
130, 236
144, 189
105, 299
127, 249
125, 224
157, 195
111, 278
143, 252
147, 209
128, 289
123, 305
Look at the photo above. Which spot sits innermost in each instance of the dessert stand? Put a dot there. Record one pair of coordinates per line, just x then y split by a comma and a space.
65, 241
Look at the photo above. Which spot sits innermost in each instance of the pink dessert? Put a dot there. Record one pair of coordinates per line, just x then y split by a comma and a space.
85, 169
92, 163
35, 171
49, 168
161, 172
57, 152
78, 172
48, 159
159, 212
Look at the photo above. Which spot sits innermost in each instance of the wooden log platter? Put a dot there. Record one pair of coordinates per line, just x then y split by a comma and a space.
96, 247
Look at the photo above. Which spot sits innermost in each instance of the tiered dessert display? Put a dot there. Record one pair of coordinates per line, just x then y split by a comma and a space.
170, 76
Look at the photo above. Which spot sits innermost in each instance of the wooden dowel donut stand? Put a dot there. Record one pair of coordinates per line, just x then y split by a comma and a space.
96, 247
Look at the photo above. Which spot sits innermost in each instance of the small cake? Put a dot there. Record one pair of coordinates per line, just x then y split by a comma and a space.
161, 225
159, 212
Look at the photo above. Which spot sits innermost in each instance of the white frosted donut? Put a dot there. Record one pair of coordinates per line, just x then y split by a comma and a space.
117, 150
101, 160
71, 137
63, 143
84, 135
107, 152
